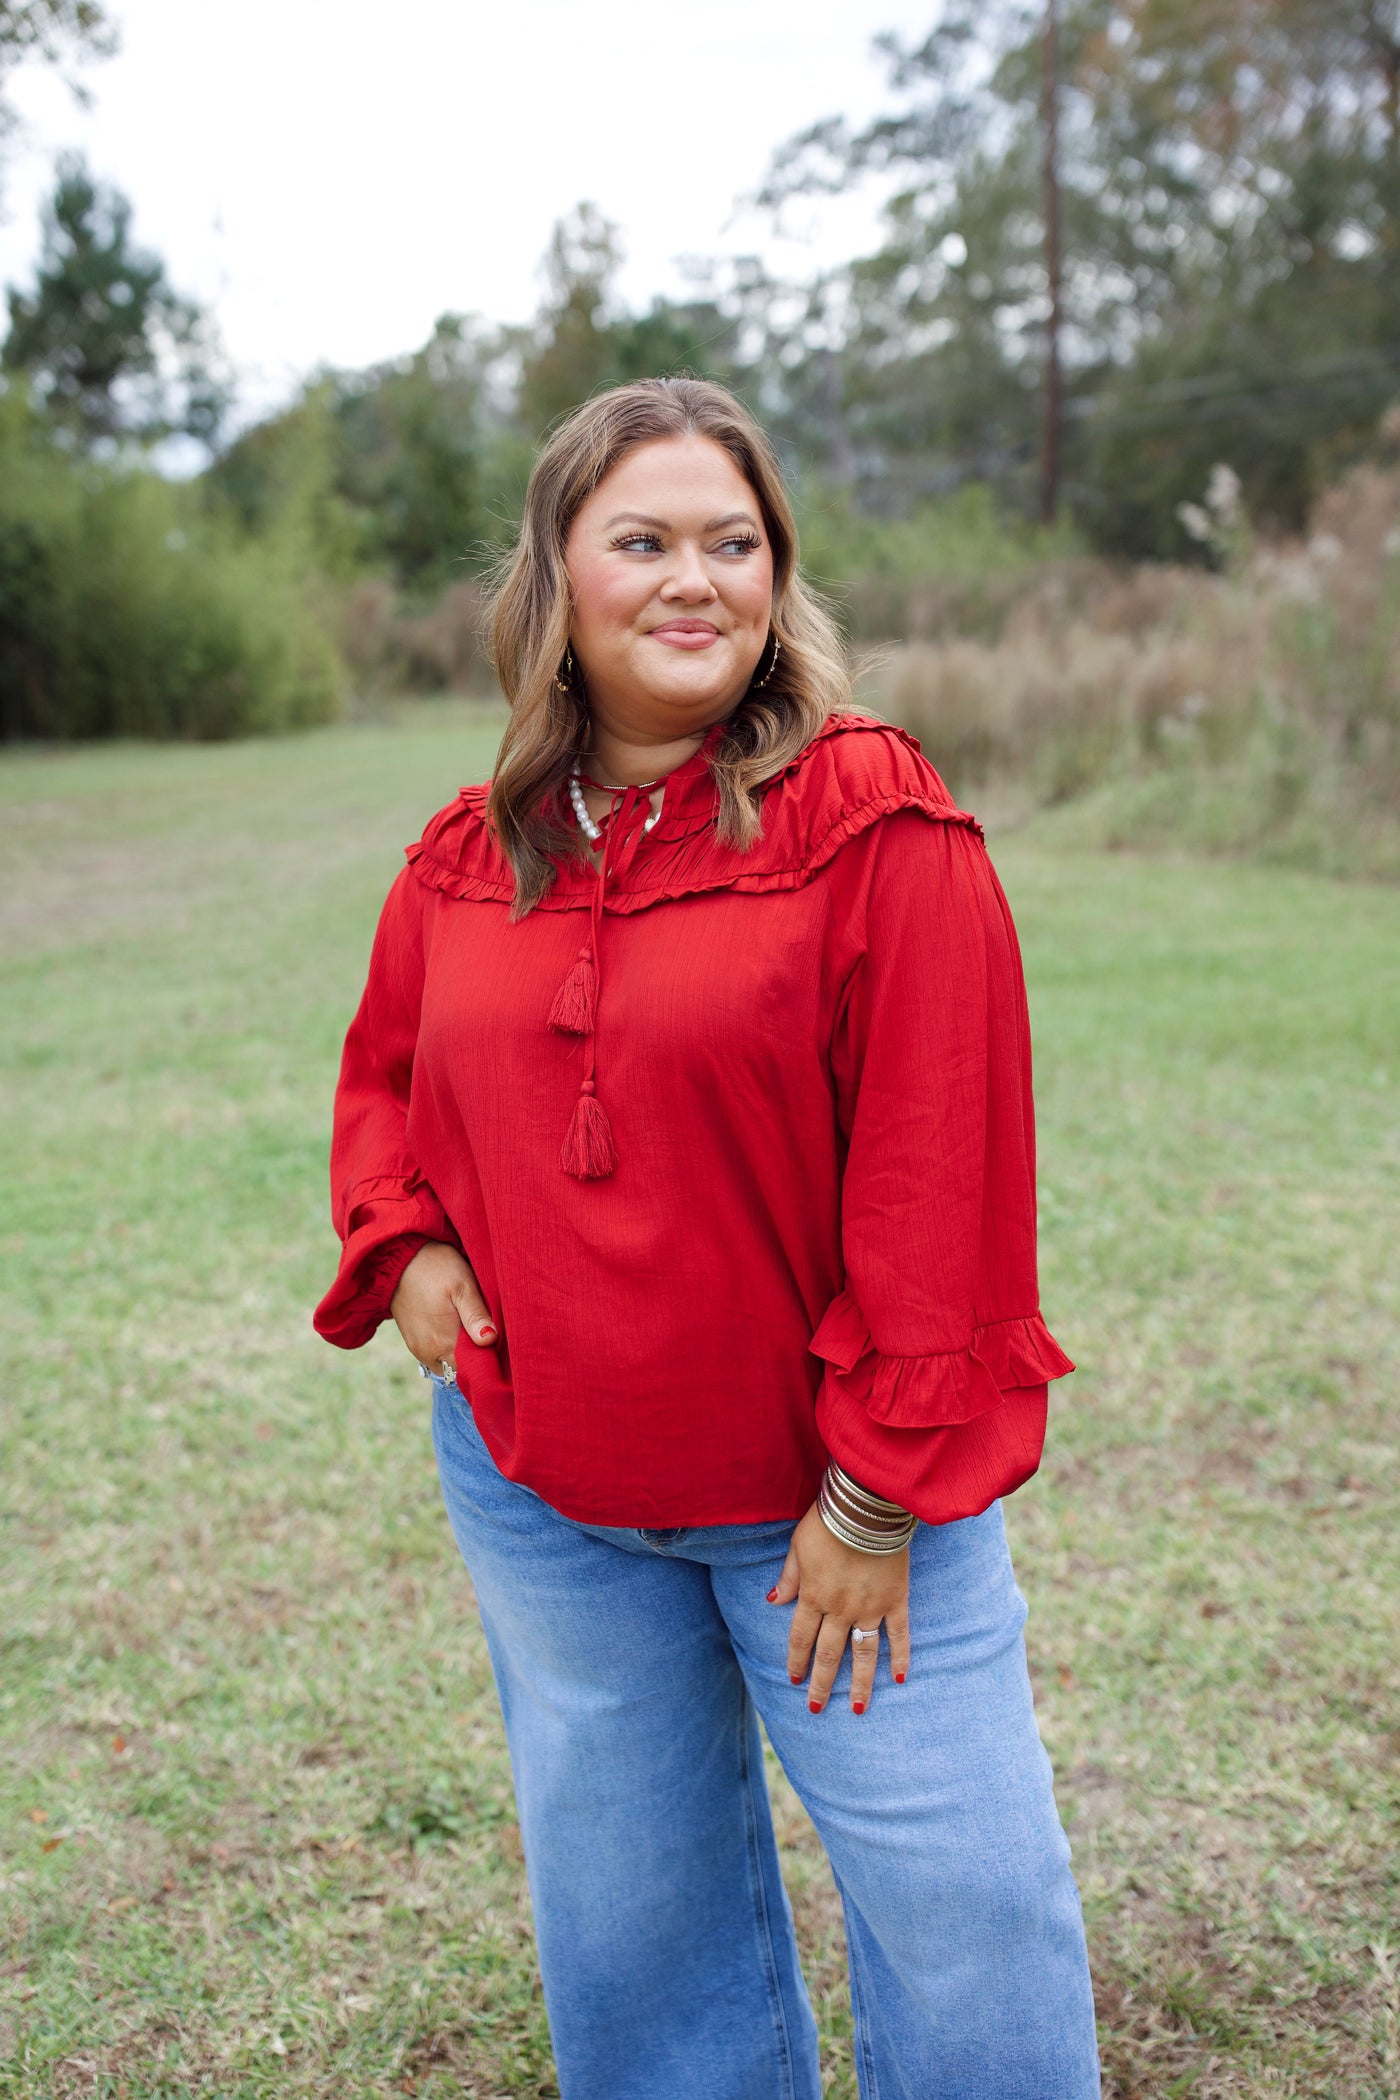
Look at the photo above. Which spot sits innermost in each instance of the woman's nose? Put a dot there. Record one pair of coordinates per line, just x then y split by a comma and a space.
688, 579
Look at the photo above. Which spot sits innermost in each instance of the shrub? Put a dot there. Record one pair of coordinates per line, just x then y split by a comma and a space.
127, 610
958, 565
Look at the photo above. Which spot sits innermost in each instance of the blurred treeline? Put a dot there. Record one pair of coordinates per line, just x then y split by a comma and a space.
1205, 590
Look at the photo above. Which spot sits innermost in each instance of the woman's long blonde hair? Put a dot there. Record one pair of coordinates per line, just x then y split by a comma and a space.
529, 627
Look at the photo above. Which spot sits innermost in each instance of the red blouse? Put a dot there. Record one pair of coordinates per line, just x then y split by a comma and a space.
739, 1145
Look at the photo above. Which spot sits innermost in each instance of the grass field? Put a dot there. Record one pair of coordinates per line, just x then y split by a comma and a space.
256, 1832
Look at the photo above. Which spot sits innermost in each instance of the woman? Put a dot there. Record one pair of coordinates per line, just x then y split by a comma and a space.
685, 1131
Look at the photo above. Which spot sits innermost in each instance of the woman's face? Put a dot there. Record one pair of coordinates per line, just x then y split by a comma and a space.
672, 580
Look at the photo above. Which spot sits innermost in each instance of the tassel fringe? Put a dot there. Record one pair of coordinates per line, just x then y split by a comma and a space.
576, 1001
589, 1153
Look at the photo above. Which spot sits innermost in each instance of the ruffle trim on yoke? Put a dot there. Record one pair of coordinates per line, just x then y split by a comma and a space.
854, 772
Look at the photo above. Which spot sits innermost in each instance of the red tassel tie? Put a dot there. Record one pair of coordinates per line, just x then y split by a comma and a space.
576, 1001
589, 1153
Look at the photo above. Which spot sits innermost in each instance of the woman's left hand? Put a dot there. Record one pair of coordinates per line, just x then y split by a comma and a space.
838, 1587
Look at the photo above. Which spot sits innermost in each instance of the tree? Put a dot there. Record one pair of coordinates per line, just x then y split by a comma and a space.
45, 29
1052, 428
583, 340
1282, 348
391, 466
410, 454
50, 31
111, 349
1228, 177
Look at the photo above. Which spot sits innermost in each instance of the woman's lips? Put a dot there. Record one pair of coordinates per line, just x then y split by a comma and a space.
685, 634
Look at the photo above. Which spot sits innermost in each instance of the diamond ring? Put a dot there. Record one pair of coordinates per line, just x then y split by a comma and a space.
865, 1633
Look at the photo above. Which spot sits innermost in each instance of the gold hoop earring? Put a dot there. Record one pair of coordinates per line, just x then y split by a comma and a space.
772, 666
566, 683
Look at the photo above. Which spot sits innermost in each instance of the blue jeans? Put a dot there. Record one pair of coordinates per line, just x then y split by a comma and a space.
631, 1667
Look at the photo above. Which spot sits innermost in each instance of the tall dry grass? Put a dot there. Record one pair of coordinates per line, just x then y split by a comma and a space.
1256, 709
394, 645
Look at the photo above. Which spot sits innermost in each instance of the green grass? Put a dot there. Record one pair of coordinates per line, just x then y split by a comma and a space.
256, 1832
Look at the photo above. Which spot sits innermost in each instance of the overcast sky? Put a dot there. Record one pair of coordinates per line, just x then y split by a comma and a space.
330, 175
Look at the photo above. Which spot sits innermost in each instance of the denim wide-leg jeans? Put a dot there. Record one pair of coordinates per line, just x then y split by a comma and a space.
632, 1666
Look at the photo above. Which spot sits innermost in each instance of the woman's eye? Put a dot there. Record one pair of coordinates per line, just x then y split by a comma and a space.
739, 543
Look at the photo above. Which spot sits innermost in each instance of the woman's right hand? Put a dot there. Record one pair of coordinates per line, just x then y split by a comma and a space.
437, 1297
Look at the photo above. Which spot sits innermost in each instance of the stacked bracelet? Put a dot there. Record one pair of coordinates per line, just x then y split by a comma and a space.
861, 1519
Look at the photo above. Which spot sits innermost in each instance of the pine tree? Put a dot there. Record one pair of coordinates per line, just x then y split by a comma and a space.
112, 351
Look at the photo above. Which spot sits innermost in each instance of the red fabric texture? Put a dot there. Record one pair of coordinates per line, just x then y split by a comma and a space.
816, 1231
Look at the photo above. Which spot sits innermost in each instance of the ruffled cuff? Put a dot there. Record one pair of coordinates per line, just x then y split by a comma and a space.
921, 1392
387, 1223
942, 1475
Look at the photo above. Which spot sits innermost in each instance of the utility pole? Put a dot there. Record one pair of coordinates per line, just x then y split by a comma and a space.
1050, 171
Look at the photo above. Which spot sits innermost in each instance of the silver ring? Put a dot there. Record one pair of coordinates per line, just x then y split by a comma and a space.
865, 1633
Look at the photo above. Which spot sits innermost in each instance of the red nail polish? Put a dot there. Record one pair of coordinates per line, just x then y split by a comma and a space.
814, 1706
488, 1334
899, 1676
857, 1706
773, 1596
792, 1679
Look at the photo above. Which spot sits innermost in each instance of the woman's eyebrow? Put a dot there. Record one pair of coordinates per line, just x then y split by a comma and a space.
641, 517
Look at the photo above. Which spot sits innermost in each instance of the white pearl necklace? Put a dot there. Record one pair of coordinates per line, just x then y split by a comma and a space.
591, 831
